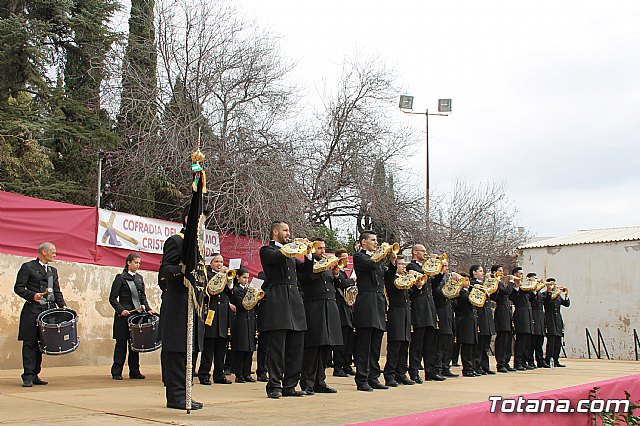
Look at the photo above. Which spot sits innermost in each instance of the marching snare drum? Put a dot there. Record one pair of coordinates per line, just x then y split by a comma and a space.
58, 330
144, 332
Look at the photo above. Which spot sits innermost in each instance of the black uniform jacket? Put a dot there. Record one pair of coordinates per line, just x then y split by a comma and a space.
32, 279
346, 311
399, 312
323, 317
466, 319
370, 307
423, 307
537, 308
173, 311
218, 303
486, 327
444, 306
282, 307
120, 298
553, 317
503, 316
523, 315
243, 337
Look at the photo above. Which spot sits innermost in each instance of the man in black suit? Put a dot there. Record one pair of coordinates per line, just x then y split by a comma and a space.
343, 354
554, 322
173, 322
281, 314
37, 283
523, 325
537, 333
446, 329
369, 313
423, 344
503, 319
323, 321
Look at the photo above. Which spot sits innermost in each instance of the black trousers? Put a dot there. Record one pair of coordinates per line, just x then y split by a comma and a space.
314, 361
481, 355
175, 376
396, 365
228, 357
367, 354
261, 368
466, 353
455, 353
31, 359
535, 350
213, 352
554, 346
523, 342
241, 365
284, 358
119, 355
444, 345
503, 348
423, 347
343, 355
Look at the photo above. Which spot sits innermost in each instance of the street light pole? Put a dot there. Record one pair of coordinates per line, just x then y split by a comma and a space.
100, 158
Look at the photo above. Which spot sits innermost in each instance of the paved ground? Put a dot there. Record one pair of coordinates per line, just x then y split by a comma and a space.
87, 395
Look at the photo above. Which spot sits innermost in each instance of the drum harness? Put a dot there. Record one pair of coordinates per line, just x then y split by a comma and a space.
135, 297
49, 298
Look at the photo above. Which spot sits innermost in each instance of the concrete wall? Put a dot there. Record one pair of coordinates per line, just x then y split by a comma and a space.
603, 288
86, 291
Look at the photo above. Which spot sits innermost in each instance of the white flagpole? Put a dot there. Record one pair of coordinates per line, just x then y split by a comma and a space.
189, 375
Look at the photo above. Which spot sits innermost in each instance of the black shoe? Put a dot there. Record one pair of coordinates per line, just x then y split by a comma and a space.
223, 381
275, 394
510, 368
309, 391
182, 405
502, 369
557, 364
520, 368
206, 382
339, 372
137, 376
249, 379
417, 379
293, 392
227, 372
377, 385
364, 387
481, 372
263, 378
403, 380
448, 373
39, 381
240, 379
489, 371
27, 383
117, 377
350, 371
529, 367
435, 377
389, 384
469, 374
324, 389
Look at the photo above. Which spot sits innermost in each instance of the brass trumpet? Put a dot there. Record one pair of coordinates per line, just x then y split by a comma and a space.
491, 284
329, 262
384, 250
299, 247
478, 295
433, 265
420, 278
220, 280
404, 282
453, 285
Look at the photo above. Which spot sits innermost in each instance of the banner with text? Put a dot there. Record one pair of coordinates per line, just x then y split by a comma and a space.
131, 232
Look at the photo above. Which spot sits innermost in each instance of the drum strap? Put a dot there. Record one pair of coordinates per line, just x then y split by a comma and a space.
49, 298
135, 297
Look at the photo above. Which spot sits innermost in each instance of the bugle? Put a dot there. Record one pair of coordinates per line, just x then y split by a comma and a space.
329, 262
299, 247
433, 265
384, 250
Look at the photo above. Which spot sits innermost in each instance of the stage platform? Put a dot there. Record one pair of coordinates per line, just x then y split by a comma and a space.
87, 395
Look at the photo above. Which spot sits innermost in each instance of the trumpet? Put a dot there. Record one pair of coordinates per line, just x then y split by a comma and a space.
453, 285
529, 284
404, 282
420, 279
478, 295
220, 280
556, 290
299, 247
327, 263
434, 265
491, 284
252, 297
384, 250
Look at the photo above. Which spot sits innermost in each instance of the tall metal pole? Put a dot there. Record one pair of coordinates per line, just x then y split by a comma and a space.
100, 157
427, 173
189, 375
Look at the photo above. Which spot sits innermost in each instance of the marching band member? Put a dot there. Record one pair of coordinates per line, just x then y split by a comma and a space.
398, 328
485, 323
127, 291
216, 335
537, 332
553, 319
423, 344
369, 312
32, 283
282, 315
503, 319
445, 336
466, 322
243, 338
523, 323
343, 354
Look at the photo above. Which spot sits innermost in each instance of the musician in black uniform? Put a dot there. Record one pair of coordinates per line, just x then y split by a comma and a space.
343, 354
369, 313
466, 320
243, 339
523, 325
424, 337
486, 327
503, 319
282, 315
446, 328
398, 327
216, 335
554, 323
537, 332
173, 322
126, 302
323, 321
32, 283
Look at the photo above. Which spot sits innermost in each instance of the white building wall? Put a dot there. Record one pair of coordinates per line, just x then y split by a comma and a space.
603, 288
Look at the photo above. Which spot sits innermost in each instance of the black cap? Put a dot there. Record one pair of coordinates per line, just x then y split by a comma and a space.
551, 279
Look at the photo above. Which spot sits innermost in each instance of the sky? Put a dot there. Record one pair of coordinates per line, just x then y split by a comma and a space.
545, 94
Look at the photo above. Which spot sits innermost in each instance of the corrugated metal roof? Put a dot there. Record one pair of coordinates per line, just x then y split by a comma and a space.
590, 236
